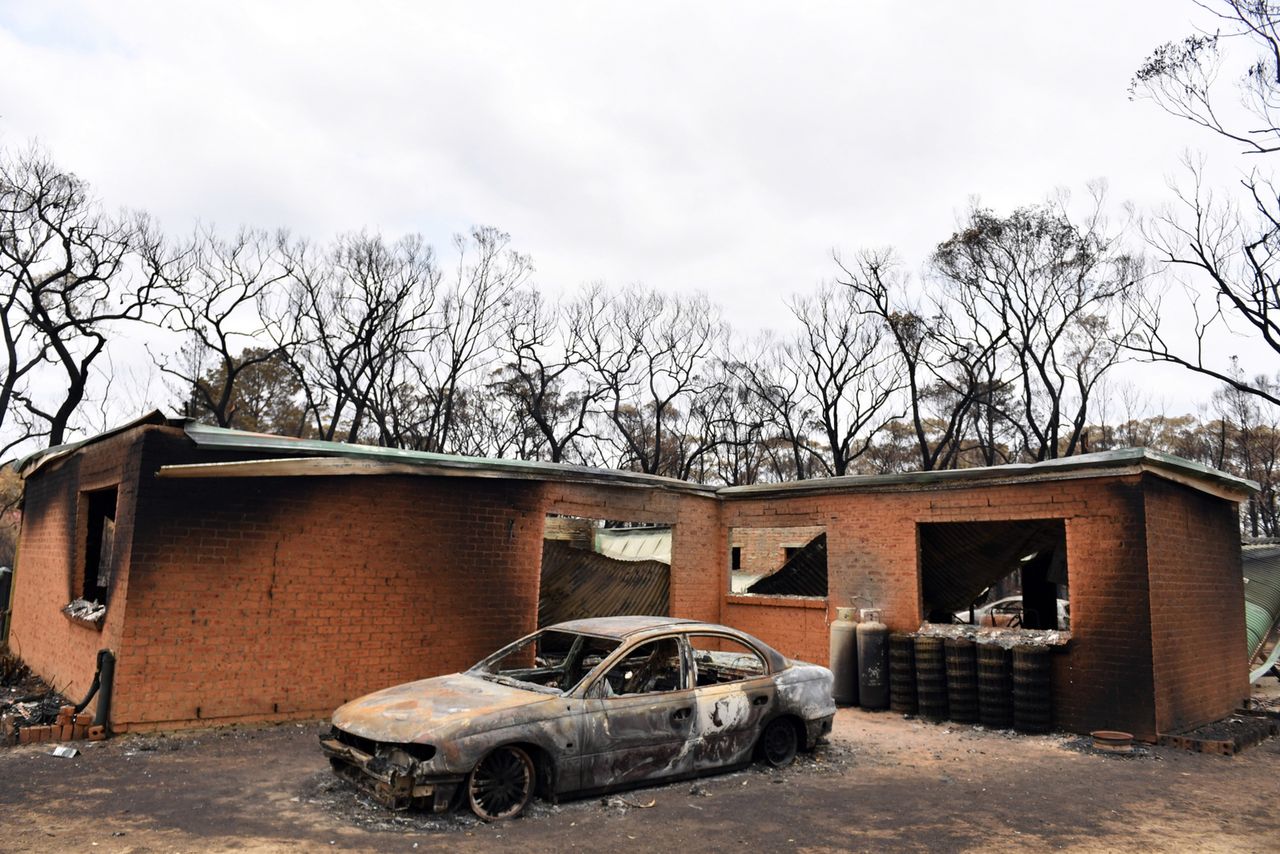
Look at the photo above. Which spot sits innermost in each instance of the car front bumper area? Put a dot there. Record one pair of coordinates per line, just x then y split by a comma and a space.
393, 785
815, 729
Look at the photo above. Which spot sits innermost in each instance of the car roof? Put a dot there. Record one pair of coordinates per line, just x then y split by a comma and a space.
621, 627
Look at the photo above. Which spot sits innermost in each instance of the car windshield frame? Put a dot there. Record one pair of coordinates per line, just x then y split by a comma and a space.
570, 666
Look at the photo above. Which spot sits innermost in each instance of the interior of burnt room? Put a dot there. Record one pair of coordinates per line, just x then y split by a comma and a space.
1002, 574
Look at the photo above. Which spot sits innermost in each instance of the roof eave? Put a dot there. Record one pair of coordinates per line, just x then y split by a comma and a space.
1130, 461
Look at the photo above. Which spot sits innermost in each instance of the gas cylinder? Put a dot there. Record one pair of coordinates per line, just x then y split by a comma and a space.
844, 658
873, 661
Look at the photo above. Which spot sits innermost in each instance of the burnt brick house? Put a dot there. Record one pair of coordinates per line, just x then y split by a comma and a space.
250, 577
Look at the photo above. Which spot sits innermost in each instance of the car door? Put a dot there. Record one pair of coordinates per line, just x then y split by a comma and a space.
640, 722
735, 695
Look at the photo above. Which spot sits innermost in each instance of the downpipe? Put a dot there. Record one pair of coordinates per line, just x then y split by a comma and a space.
104, 681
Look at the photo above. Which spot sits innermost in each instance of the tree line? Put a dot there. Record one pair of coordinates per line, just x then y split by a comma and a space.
998, 352
993, 357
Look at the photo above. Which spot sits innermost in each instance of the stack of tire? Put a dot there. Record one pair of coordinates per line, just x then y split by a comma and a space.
959, 680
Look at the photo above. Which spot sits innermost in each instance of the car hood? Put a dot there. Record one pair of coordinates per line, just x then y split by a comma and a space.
430, 708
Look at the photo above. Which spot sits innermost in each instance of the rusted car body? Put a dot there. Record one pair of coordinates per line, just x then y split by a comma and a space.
578, 708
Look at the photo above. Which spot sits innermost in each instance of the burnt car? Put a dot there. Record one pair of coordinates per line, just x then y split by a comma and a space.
579, 708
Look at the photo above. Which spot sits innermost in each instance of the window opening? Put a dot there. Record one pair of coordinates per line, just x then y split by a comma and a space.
1010, 575
651, 668
549, 660
778, 561
99, 544
717, 659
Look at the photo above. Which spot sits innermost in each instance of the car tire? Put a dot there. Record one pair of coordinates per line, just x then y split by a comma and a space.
501, 784
779, 743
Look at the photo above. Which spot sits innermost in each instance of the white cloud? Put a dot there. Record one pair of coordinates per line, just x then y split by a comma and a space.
726, 147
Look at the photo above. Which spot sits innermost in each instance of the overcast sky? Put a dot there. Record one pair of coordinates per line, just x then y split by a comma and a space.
689, 146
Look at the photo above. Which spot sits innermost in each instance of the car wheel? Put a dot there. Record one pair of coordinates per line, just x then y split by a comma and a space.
501, 784
779, 743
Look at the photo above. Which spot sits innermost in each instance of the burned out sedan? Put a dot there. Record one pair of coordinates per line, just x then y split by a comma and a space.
578, 708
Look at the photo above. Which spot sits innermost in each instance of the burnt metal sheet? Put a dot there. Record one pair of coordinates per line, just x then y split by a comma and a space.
578, 584
302, 457
366, 459
805, 574
1261, 593
647, 543
36, 460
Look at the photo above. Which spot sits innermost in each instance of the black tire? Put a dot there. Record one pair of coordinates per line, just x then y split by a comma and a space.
779, 743
501, 784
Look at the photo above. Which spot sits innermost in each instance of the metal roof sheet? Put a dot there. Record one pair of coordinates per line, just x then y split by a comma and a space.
1104, 463
577, 584
300, 457
36, 459
649, 543
804, 574
1261, 566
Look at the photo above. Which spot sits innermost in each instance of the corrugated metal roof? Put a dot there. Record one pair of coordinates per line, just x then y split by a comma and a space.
1102, 464
653, 543
805, 574
314, 457
1261, 593
577, 584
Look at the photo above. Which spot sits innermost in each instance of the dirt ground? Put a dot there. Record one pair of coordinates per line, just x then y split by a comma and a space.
882, 783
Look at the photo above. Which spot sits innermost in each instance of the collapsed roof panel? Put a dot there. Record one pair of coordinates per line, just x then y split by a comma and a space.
577, 584
804, 574
1261, 593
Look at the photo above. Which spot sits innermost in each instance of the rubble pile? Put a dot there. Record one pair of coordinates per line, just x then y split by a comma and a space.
1005, 637
85, 611
30, 710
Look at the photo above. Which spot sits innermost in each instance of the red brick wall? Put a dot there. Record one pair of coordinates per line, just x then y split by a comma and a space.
257, 598
51, 554
262, 597
1197, 617
1102, 679
764, 549
795, 626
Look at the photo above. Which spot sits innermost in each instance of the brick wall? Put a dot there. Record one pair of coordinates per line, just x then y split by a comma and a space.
764, 549
1197, 618
284, 597
1102, 679
795, 626
262, 598
50, 571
